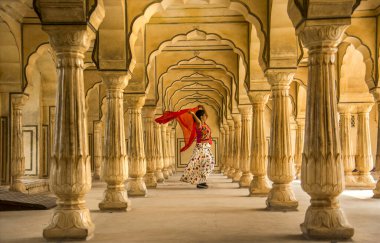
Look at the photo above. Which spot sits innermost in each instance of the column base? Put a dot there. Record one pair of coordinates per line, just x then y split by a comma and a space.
281, 198
18, 186
259, 187
363, 181
231, 173
96, 177
115, 199
174, 169
159, 176
350, 181
136, 187
245, 180
298, 172
150, 180
221, 168
226, 172
165, 172
236, 177
170, 171
376, 191
66, 224
326, 223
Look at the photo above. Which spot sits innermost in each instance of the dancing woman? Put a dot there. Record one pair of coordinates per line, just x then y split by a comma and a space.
202, 160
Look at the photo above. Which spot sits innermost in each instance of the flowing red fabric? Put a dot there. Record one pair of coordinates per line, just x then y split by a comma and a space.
185, 120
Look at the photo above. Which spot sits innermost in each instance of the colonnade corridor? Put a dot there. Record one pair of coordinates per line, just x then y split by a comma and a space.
178, 212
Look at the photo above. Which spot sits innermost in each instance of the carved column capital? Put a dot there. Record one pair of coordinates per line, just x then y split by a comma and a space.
345, 107
300, 121
226, 129
66, 39
237, 120
280, 78
230, 124
317, 34
135, 101
115, 80
149, 111
376, 94
364, 107
19, 100
259, 97
245, 111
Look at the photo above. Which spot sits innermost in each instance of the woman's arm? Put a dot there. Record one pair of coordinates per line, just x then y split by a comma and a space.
197, 121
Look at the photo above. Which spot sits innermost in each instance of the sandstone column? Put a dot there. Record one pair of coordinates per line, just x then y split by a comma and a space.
169, 149
158, 153
221, 149
18, 157
231, 151
280, 163
245, 148
98, 149
237, 143
364, 160
172, 136
226, 149
137, 162
345, 140
259, 185
165, 155
115, 165
376, 191
322, 167
70, 171
299, 146
150, 178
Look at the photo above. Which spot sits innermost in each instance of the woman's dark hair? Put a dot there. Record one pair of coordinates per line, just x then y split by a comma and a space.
199, 113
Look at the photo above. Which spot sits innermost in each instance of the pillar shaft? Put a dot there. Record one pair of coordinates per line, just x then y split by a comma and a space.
18, 157
158, 153
363, 158
98, 149
231, 140
245, 148
173, 143
376, 191
150, 177
226, 149
165, 153
259, 185
300, 134
237, 143
169, 149
137, 161
280, 164
221, 146
115, 166
70, 171
322, 167
348, 159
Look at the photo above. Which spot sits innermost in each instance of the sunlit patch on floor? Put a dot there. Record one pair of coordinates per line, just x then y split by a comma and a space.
360, 194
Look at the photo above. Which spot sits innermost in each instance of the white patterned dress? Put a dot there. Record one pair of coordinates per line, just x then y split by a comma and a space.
202, 160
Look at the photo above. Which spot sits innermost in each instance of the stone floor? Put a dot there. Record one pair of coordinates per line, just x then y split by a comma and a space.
178, 212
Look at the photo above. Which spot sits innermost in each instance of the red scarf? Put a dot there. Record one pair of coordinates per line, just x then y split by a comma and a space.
185, 120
